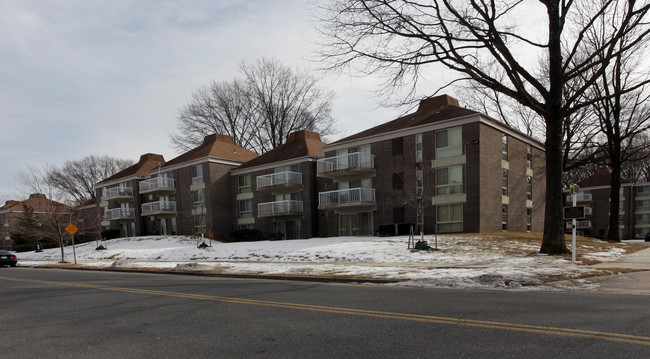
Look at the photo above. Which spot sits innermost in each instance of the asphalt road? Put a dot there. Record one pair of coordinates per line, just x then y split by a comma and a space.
50, 313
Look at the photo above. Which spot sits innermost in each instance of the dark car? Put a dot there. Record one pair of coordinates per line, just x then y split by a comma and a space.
8, 259
647, 237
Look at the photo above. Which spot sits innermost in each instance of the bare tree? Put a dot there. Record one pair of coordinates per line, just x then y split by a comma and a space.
480, 42
258, 111
54, 216
221, 107
76, 179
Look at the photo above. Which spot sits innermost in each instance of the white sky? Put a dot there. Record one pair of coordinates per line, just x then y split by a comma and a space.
80, 77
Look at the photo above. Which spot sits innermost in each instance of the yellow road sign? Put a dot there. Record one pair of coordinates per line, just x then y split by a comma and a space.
71, 228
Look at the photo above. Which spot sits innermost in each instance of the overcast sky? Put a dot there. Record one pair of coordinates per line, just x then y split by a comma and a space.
82, 77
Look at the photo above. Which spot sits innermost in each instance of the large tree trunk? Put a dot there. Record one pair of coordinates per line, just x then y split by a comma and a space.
553, 241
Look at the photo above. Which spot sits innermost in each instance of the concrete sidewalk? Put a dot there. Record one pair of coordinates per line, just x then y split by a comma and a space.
627, 283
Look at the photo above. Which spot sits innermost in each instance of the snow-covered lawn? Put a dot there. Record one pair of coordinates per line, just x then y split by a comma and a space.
489, 261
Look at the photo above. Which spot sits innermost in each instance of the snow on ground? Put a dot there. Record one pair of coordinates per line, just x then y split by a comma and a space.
461, 261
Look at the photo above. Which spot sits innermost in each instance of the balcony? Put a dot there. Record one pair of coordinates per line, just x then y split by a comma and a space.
583, 197
346, 165
281, 180
280, 208
119, 214
354, 199
122, 194
159, 208
157, 185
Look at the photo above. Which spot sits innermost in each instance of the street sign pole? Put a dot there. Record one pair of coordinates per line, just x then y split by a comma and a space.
573, 237
72, 229
74, 251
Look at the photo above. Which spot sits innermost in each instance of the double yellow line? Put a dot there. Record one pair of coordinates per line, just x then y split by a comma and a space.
616, 337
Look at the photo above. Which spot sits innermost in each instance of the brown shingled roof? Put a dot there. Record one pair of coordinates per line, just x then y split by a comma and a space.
147, 162
216, 145
299, 144
430, 110
35, 201
602, 177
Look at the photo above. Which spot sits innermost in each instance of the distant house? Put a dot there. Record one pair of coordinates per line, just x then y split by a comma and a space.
276, 192
634, 206
452, 169
13, 210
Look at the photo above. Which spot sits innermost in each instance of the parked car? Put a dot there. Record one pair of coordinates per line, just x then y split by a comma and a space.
8, 259
647, 237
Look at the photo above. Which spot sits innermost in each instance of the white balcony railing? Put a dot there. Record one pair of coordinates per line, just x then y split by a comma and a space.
119, 213
582, 197
279, 208
157, 184
117, 192
345, 196
280, 178
357, 160
159, 207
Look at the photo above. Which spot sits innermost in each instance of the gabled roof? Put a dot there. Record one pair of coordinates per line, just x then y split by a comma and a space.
429, 111
36, 201
147, 162
217, 146
299, 144
602, 177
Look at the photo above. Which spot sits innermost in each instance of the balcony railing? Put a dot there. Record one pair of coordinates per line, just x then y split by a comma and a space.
351, 161
279, 208
157, 184
346, 196
119, 213
159, 207
583, 197
279, 179
117, 193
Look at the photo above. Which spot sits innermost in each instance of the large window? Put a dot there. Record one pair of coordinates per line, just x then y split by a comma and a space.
529, 219
197, 174
529, 188
504, 147
198, 199
398, 146
200, 224
529, 156
356, 224
504, 217
418, 147
419, 183
244, 183
398, 180
449, 142
449, 217
504, 182
246, 208
449, 180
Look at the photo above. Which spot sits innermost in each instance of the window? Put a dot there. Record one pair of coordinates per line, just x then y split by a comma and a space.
244, 184
449, 217
246, 208
504, 147
529, 156
504, 217
419, 183
200, 224
198, 199
398, 180
529, 219
529, 187
197, 174
449, 180
418, 147
398, 146
449, 142
504, 182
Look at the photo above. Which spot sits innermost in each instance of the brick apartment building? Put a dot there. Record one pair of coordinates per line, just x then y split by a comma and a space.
186, 195
276, 192
452, 169
634, 206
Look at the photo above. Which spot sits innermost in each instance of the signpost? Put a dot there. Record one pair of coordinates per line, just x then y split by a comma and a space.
72, 229
574, 213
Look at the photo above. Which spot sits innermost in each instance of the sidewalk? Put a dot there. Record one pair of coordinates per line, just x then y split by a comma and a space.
626, 283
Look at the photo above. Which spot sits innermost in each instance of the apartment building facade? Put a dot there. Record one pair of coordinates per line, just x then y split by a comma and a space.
189, 194
595, 196
276, 192
443, 167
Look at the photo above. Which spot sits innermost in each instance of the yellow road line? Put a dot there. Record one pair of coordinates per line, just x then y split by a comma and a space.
538, 329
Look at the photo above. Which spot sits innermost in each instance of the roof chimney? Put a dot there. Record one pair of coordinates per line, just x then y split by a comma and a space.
436, 102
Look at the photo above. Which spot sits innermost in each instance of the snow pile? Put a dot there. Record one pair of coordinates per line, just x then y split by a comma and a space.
461, 261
